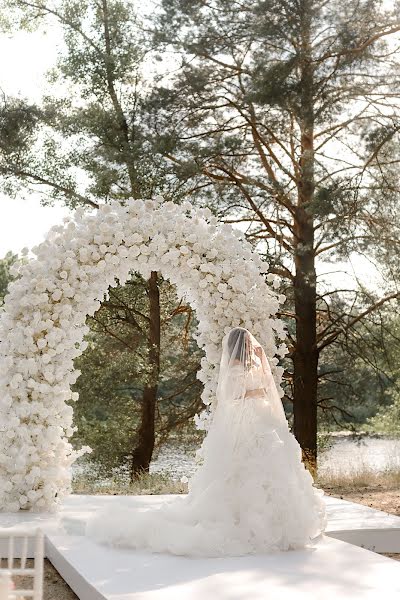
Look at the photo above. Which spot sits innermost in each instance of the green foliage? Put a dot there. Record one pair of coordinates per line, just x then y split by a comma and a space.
5, 276
324, 442
350, 392
18, 131
358, 369
89, 141
387, 419
115, 368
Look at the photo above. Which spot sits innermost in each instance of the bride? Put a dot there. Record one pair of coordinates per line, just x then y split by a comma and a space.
251, 494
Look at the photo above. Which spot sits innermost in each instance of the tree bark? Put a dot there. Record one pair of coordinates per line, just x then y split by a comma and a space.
305, 359
145, 437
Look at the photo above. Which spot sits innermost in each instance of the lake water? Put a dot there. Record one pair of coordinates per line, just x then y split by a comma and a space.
347, 454
351, 455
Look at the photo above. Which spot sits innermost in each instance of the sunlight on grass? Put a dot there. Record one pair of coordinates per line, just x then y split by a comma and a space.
163, 483
147, 483
359, 478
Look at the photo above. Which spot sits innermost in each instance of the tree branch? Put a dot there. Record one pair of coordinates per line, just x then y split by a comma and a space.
356, 319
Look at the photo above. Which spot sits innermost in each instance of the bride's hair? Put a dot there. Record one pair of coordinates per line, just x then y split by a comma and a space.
239, 345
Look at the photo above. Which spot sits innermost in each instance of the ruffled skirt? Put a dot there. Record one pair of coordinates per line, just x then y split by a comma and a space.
251, 494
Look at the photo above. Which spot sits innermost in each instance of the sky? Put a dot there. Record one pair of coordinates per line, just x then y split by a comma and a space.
24, 221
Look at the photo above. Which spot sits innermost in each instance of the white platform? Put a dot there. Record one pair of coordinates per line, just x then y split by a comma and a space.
332, 570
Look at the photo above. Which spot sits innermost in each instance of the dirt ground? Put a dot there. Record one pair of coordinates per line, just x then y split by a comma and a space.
377, 497
55, 587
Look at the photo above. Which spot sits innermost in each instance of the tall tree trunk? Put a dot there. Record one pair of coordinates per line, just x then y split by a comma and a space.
145, 437
306, 352
305, 358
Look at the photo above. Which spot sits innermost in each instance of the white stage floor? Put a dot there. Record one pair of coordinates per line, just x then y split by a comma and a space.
332, 570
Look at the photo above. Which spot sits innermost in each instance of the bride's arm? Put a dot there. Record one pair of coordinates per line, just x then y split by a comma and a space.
255, 382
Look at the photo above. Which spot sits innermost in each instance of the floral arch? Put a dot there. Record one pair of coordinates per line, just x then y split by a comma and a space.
42, 326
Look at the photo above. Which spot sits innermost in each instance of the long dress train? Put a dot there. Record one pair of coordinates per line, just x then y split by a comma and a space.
251, 494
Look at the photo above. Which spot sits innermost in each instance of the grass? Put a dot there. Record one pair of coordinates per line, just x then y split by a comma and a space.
147, 483
362, 478
163, 483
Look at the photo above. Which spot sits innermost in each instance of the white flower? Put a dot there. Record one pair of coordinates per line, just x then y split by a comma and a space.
43, 323
57, 295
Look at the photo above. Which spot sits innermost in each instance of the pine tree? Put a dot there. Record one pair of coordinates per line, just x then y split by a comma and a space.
269, 111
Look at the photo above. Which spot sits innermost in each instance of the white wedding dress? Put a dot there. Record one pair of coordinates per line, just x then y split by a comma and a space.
251, 493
